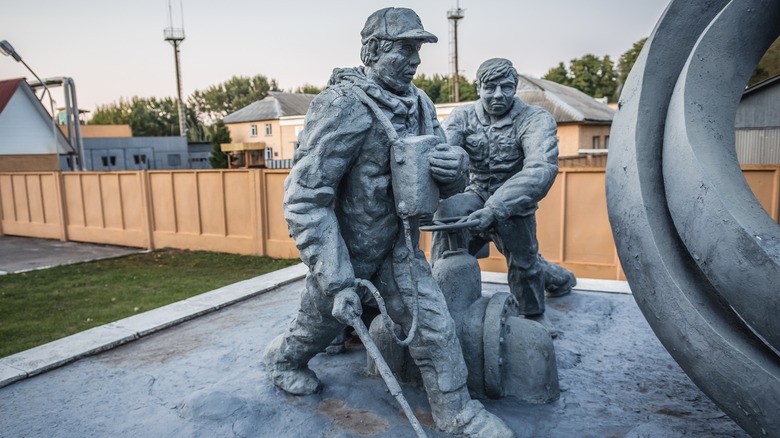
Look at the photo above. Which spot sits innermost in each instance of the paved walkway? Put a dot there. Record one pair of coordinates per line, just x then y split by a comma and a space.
203, 377
19, 254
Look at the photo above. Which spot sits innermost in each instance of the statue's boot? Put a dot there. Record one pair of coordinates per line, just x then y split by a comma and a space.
475, 421
558, 281
302, 381
296, 380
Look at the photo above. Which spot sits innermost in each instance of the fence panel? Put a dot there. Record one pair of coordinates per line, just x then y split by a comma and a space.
30, 205
277, 238
764, 181
105, 207
204, 210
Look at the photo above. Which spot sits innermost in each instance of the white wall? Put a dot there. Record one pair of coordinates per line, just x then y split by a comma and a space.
22, 128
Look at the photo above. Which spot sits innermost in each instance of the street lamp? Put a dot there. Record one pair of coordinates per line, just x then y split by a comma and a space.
8, 50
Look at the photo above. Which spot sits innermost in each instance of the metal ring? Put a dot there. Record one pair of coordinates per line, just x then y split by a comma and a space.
501, 306
672, 179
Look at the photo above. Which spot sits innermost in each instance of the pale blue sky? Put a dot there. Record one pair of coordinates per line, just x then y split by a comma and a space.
115, 49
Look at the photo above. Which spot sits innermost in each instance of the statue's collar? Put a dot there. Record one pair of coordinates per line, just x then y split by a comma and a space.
398, 104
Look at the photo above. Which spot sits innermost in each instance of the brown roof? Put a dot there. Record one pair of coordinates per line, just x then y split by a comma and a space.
7, 90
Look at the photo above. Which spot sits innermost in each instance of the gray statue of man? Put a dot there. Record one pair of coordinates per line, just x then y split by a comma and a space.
340, 209
513, 151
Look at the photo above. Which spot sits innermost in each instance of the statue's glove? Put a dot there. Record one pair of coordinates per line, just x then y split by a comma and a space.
346, 306
486, 219
447, 163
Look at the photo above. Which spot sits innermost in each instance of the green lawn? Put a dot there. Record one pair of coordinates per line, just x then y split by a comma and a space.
37, 307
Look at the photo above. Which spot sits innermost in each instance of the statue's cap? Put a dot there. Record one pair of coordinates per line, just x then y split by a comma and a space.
395, 24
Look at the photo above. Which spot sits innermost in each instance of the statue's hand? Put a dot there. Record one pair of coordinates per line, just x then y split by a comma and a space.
346, 306
485, 217
447, 163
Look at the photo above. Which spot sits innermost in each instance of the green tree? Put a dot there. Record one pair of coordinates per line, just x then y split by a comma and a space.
558, 74
148, 117
590, 74
217, 101
437, 87
218, 133
627, 60
308, 89
768, 66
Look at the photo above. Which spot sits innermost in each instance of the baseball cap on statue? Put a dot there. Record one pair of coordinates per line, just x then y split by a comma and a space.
395, 24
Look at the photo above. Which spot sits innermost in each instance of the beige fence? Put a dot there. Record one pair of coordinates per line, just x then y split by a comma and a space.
240, 211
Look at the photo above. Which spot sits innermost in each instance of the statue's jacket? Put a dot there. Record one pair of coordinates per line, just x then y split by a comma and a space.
513, 162
338, 199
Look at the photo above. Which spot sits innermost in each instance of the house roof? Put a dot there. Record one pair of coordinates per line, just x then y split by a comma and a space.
7, 90
276, 105
566, 104
755, 87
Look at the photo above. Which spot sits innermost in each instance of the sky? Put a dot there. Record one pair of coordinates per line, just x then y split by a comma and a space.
115, 49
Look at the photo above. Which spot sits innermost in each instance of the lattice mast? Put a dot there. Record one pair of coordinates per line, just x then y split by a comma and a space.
175, 36
453, 15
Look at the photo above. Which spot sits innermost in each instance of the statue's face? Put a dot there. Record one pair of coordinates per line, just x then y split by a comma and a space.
397, 67
497, 95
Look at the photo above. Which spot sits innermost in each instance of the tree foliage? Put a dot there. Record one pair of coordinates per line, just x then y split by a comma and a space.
627, 60
217, 101
590, 74
308, 89
437, 87
769, 66
218, 133
148, 117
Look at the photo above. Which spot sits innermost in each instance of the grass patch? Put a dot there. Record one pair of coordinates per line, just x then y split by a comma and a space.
37, 307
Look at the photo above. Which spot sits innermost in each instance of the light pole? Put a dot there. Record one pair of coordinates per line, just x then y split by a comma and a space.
8, 50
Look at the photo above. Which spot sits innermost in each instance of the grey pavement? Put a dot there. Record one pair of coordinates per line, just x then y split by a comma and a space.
19, 254
204, 377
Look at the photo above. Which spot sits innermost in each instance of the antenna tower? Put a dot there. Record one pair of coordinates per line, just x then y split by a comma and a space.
453, 15
175, 36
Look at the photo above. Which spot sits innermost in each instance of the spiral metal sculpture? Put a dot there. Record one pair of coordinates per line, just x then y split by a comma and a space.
701, 255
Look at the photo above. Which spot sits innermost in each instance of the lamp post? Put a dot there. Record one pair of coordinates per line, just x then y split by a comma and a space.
8, 50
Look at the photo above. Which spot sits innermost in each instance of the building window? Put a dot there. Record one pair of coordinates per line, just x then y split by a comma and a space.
269, 154
596, 142
108, 160
253, 130
174, 160
139, 159
268, 129
606, 142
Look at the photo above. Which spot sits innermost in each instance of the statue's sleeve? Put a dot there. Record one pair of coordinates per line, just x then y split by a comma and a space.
520, 194
457, 186
335, 129
455, 127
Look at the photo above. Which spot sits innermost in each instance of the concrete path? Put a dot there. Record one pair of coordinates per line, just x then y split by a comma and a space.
204, 378
19, 254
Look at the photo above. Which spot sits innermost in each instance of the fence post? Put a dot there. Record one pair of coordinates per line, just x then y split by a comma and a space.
260, 209
59, 183
564, 174
776, 196
146, 193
